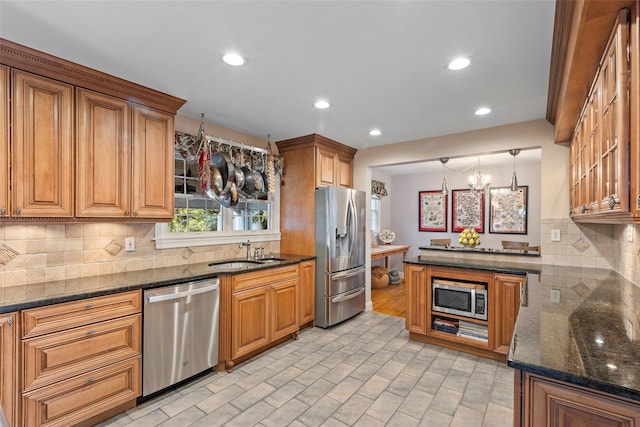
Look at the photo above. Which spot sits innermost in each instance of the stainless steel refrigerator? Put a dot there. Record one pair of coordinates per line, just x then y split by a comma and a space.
340, 254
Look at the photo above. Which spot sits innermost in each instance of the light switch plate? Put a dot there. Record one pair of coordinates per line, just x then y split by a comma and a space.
555, 295
630, 229
555, 235
129, 244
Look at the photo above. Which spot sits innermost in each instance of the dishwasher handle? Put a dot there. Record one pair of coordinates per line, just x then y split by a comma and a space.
178, 295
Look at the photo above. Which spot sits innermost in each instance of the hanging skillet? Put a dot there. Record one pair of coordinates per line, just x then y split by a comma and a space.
227, 170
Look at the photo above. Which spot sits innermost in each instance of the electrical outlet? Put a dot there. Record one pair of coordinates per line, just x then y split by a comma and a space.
630, 230
555, 235
555, 295
129, 244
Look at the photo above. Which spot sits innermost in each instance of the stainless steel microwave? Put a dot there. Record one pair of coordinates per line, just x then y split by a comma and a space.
463, 299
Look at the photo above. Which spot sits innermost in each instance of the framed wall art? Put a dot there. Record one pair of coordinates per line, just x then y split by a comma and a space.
508, 210
432, 215
467, 210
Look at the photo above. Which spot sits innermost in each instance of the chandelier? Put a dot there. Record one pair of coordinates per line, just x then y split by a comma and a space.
479, 181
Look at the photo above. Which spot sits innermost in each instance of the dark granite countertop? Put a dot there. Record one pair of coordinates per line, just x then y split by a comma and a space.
589, 336
478, 250
38, 294
487, 264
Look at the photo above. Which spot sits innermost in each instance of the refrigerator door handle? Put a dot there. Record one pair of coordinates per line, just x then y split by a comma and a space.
353, 225
341, 276
343, 298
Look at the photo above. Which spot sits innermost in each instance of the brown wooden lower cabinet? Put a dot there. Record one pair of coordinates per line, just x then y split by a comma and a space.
504, 292
9, 374
262, 308
307, 292
80, 360
540, 401
83, 397
507, 293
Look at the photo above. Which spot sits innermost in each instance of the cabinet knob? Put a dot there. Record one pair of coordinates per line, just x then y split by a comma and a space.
135, 213
3, 211
90, 380
90, 332
583, 208
126, 212
10, 320
613, 202
18, 210
88, 306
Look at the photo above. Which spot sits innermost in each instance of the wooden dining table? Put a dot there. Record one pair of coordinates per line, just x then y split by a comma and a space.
385, 251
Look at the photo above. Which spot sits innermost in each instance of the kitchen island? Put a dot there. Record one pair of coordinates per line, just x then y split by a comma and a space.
575, 345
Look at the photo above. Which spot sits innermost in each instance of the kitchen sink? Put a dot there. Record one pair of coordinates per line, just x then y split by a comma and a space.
234, 265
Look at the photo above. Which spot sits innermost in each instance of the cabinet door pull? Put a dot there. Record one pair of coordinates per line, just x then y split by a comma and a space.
10, 320
583, 209
90, 380
613, 202
90, 332
126, 212
88, 306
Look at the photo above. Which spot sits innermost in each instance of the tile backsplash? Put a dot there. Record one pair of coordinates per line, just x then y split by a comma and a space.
592, 245
39, 253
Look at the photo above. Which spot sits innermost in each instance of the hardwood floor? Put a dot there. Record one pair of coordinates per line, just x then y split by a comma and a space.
390, 300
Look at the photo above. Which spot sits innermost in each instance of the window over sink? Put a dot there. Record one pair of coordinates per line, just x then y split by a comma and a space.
200, 220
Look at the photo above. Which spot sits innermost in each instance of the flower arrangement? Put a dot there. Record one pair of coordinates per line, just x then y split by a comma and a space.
469, 238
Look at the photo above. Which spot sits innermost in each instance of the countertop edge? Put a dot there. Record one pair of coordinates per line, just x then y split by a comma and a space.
588, 383
144, 285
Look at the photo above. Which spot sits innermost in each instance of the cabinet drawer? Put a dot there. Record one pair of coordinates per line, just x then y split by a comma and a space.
80, 398
264, 277
59, 356
58, 317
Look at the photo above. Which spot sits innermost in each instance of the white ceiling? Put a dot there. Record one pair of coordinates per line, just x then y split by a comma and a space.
381, 64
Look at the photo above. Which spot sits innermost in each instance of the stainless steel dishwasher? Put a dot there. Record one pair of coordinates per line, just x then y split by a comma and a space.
180, 332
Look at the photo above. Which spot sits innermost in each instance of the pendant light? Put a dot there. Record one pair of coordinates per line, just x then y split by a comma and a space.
444, 160
514, 178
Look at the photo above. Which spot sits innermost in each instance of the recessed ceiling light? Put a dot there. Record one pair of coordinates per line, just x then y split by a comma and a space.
483, 111
375, 132
322, 104
233, 59
459, 63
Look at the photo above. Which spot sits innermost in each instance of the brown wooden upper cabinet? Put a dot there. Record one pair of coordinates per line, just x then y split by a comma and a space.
85, 145
310, 162
125, 154
600, 163
5, 207
594, 103
41, 146
331, 162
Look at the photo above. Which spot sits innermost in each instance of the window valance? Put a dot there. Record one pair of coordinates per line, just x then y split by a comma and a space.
378, 188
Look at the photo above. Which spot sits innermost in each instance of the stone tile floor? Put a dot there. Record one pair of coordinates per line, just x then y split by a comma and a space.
364, 372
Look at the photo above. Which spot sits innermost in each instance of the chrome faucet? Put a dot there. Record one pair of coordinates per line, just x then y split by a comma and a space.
248, 246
